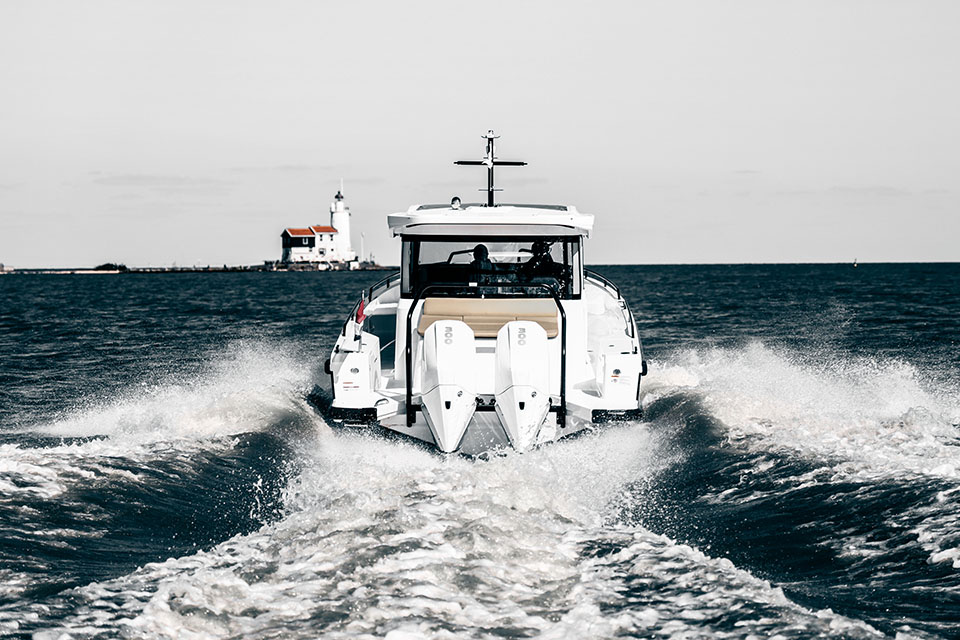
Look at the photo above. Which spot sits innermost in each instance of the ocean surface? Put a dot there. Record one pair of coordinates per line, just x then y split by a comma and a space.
163, 473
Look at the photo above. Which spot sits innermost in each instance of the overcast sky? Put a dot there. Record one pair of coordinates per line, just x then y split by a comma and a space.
193, 132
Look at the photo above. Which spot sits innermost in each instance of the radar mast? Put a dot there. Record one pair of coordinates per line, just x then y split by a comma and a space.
490, 161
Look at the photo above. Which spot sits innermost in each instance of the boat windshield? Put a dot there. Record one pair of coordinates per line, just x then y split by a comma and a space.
492, 266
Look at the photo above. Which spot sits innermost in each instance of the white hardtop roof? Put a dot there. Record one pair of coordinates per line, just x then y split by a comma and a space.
502, 219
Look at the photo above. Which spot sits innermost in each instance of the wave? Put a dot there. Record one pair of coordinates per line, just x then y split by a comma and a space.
871, 416
161, 470
684, 524
831, 475
386, 539
240, 390
250, 388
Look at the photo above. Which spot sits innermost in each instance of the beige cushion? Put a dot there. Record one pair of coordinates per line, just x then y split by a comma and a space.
486, 316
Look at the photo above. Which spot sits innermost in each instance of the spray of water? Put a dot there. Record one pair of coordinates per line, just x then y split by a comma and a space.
873, 417
385, 538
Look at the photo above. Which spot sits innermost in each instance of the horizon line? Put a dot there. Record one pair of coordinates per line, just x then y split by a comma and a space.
220, 267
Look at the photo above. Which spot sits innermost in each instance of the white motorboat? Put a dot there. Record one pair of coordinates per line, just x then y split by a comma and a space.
492, 335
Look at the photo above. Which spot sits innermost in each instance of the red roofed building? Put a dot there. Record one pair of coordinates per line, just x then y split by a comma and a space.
325, 245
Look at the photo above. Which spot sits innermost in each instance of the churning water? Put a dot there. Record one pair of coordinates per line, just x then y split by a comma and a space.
797, 474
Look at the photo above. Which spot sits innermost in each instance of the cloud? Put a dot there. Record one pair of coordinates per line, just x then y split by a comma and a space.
369, 180
514, 182
871, 191
283, 168
165, 184
158, 181
874, 191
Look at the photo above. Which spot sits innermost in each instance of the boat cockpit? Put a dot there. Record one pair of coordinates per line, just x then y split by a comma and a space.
496, 266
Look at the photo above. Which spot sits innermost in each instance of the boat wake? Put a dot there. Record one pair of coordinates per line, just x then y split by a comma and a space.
160, 471
871, 417
762, 495
834, 477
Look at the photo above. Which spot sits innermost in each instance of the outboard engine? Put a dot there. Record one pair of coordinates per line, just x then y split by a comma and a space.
449, 396
522, 381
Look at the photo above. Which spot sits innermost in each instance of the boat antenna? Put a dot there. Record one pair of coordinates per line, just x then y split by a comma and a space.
490, 162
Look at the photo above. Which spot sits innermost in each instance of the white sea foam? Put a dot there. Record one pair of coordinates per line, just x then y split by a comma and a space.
879, 416
250, 388
241, 390
46, 473
870, 419
50, 476
939, 531
384, 539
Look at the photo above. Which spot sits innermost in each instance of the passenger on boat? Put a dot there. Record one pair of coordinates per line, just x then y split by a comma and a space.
481, 260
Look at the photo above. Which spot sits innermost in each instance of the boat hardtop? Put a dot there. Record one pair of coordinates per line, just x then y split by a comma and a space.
492, 335
510, 219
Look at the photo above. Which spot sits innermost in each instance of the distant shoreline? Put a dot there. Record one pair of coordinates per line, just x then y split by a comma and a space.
207, 269
313, 269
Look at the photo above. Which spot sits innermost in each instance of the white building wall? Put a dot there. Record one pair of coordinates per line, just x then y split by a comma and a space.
299, 254
324, 246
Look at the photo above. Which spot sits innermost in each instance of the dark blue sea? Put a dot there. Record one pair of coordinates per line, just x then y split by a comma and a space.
164, 473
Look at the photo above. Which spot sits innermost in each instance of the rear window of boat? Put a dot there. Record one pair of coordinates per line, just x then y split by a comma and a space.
491, 266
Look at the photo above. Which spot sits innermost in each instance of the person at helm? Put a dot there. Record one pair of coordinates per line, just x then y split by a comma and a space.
541, 264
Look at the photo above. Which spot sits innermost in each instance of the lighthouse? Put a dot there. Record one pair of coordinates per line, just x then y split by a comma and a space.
340, 220
321, 247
